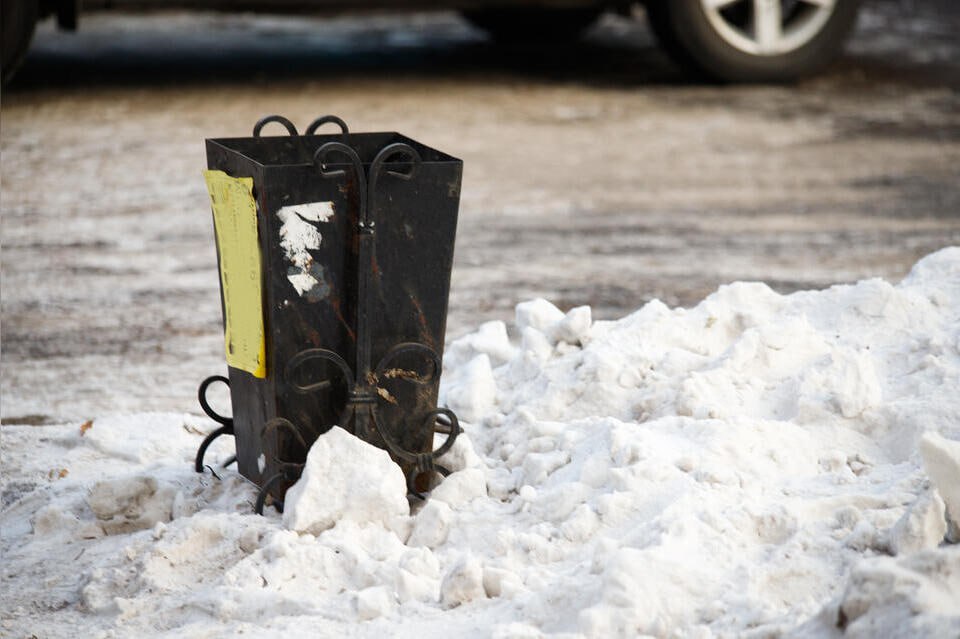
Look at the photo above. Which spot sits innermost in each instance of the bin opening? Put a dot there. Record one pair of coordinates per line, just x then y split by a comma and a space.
294, 150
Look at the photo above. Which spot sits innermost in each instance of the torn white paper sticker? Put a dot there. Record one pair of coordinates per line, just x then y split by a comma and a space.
299, 235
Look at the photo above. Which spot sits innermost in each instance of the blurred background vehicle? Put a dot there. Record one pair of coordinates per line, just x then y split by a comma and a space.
729, 40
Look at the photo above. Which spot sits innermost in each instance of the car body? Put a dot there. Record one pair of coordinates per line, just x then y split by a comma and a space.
729, 40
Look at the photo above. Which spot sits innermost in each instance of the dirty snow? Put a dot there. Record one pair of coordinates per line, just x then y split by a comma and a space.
759, 465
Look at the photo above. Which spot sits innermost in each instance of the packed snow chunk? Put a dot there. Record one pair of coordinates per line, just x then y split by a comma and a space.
461, 487
490, 339
375, 601
346, 478
300, 574
472, 390
431, 525
500, 582
574, 327
539, 314
463, 583
130, 503
535, 346
461, 455
844, 383
922, 527
51, 520
650, 592
941, 459
418, 577
913, 596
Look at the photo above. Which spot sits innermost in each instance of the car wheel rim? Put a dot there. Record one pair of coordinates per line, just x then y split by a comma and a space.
768, 27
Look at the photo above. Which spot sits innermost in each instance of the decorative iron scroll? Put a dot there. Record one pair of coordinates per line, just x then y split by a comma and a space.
226, 423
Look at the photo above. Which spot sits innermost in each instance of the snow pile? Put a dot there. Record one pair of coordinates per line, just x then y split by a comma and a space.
759, 465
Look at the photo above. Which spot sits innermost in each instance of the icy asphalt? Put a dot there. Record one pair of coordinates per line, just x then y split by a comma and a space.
594, 174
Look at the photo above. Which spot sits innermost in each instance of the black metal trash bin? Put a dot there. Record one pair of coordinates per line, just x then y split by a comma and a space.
353, 248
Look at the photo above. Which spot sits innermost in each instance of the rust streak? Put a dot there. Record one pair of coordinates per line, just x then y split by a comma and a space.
335, 303
422, 318
384, 393
400, 373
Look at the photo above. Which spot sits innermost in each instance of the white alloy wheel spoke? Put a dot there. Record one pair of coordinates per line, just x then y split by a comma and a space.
767, 24
770, 30
720, 4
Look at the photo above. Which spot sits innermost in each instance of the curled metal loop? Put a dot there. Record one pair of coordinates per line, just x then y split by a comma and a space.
312, 354
205, 405
422, 463
265, 490
378, 166
226, 427
390, 151
262, 122
430, 420
409, 348
198, 464
454, 429
321, 159
444, 425
286, 470
281, 423
327, 119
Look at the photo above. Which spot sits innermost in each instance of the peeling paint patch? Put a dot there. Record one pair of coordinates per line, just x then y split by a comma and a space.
299, 235
302, 282
310, 284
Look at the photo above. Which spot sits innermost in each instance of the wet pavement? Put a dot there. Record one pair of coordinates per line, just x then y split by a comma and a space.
595, 173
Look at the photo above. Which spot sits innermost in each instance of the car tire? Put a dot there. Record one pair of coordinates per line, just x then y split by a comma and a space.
538, 24
19, 18
753, 40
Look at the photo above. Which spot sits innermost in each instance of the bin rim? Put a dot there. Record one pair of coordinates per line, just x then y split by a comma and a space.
441, 158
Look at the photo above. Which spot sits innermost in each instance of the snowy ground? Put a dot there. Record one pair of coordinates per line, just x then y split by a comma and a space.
759, 465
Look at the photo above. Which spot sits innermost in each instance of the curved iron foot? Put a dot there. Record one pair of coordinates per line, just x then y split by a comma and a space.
417, 470
227, 422
198, 462
265, 489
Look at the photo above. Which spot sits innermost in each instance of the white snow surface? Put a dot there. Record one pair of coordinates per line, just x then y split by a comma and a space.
750, 467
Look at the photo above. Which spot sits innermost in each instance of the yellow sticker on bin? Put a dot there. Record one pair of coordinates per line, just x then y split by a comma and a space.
235, 222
